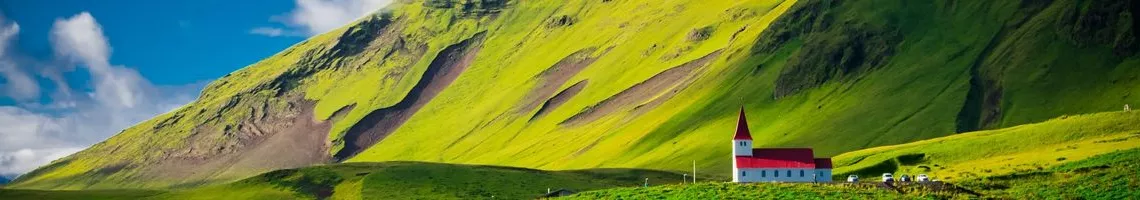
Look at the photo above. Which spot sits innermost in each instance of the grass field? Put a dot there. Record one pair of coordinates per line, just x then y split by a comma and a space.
748, 191
1107, 176
391, 180
1089, 156
987, 153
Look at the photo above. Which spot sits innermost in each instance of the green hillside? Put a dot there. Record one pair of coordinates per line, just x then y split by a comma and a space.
392, 180
997, 152
581, 84
1085, 156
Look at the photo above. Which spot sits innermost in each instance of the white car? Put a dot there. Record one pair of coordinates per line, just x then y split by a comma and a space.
852, 178
887, 178
904, 178
922, 178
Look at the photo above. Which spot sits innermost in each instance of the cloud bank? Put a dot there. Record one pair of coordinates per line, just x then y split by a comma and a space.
34, 133
311, 17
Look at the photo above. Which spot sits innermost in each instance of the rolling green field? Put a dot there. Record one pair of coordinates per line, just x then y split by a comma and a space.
1089, 156
988, 153
391, 180
584, 84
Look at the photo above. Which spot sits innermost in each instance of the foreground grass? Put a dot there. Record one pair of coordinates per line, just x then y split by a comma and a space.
746, 191
1090, 156
390, 180
78, 195
1110, 176
1024, 148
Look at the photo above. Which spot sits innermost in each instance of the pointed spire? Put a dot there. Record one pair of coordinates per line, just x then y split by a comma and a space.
742, 132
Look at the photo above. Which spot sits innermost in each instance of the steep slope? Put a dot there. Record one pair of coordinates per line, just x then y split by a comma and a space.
625, 83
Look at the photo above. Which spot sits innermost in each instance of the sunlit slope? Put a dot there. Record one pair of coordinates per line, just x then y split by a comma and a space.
833, 75
981, 154
624, 83
1082, 156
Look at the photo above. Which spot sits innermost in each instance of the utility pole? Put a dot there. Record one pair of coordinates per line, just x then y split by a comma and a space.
694, 171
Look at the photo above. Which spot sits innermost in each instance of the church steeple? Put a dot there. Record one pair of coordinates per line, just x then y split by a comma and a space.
742, 141
742, 132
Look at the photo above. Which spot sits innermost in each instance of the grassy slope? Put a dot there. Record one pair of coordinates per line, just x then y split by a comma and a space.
1003, 151
1107, 176
1090, 156
393, 180
1079, 155
473, 121
932, 67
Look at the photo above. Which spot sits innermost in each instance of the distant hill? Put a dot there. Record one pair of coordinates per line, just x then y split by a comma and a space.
4, 180
580, 84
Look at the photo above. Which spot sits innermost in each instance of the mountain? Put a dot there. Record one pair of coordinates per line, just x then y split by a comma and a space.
582, 84
4, 180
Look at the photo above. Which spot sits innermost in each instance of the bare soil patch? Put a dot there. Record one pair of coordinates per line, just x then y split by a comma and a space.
559, 99
288, 138
551, 79
639, 96
447, 66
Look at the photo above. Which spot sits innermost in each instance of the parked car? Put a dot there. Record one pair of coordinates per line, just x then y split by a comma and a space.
922, 178
904, 178
887, 178
853, 178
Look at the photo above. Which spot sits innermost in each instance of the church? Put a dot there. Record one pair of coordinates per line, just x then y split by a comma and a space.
774, 164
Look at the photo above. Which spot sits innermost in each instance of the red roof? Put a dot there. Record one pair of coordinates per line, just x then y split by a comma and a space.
742, 132
777, 158
823, 163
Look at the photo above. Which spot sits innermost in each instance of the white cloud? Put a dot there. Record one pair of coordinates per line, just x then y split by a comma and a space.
32, 134
318, 16
80, 39
17, 84
24, 160
267, 31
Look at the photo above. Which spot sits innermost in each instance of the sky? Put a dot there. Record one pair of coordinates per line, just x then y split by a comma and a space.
75, 72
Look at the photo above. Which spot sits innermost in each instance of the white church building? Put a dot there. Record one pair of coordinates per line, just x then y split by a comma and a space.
774, 164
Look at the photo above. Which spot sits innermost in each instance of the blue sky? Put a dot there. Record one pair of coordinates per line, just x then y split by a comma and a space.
75, 72
169, 42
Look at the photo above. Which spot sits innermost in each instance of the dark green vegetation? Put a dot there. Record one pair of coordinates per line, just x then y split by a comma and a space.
582, 84
391, 180
78, 195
